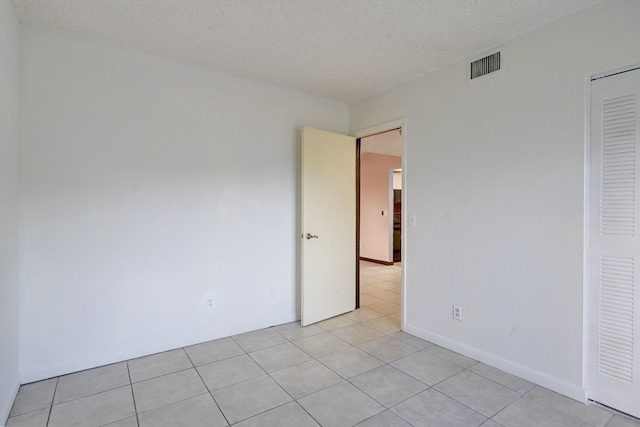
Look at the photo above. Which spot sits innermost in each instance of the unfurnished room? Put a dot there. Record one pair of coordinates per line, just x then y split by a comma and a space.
319, 213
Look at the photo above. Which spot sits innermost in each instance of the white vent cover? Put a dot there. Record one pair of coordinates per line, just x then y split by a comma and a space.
483, 66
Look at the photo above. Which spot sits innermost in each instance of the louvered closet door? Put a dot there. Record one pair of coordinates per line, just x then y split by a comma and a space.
614, 244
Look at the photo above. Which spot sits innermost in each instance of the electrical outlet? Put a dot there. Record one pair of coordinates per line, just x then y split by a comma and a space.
457, 312
208, 302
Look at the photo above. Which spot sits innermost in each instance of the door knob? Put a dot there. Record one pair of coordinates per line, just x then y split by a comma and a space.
311, 236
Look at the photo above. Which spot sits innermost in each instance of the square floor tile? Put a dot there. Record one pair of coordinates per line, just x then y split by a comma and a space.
212, 351
591, 414
620, 421
95, 410
335, 323
171, 388
396, 316
528, 413
321, 344
229, 371
199, 411
340, 405
392, 286
305, 378
92, 381
368, 289
478, 393
290, 414
244, 400
372, 288
368, 283
384, 307
362, 315
34, 396
356, 334
127, 422
386, 295
388, 385
158, 364
367, 300
279, 357
385, 419
257, 340
37, 418
385, 324
387, 349
451, 356
501, 377
412, 340
431, 408
350, 362
368, 280
294, 331
426, 367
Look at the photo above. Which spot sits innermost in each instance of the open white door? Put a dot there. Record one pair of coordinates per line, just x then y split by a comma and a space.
328, 261
614, 243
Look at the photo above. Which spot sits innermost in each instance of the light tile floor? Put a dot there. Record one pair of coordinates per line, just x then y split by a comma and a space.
354, 369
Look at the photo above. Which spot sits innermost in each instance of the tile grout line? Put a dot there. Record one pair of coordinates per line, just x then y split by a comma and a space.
133, 397
343, 379
195, 368
348, 380
55, 389
293, 399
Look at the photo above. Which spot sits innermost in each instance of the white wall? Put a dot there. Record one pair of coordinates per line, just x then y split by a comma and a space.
494, 174
9, 135
146, 184
376, 238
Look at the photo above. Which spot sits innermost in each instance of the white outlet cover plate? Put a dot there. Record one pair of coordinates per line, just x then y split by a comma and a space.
209, 302
457, 312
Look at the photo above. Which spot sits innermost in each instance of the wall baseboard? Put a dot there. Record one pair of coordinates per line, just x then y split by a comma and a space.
147, 349
573, 391
377, 261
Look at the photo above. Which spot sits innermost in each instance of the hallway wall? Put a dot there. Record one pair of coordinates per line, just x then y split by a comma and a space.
374, 199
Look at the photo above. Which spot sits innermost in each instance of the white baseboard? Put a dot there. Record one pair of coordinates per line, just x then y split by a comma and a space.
573, 391
146, 349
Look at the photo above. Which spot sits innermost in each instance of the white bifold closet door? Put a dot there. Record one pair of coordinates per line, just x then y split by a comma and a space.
614, 243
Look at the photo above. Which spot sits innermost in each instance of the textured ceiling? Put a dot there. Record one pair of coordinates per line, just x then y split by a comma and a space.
340, 49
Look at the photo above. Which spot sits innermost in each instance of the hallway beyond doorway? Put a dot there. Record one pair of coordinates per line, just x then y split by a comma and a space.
380, 289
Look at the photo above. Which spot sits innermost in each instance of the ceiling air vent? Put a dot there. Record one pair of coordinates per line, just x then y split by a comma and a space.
483, 66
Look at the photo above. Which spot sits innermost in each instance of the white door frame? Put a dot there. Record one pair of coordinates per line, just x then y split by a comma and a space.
384, 127
586, 318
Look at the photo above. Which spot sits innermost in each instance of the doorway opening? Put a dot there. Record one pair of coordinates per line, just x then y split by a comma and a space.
380, 216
